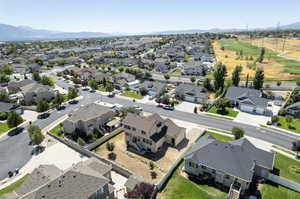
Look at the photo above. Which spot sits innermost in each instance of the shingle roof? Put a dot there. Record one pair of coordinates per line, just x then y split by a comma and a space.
133, 180
191, 90
88, 112
35, 87
246, 96
295, 106
7, 107
236, 158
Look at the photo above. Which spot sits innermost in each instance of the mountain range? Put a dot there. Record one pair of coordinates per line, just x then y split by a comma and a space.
20, 33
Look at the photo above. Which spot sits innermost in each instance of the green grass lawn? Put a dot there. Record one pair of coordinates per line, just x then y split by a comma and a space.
176, 73
229, 112
284, 125
3, 128
55, 131
287, 167
270, 191
291, 66
222, 138
102, 89
284, 150
132, 94
179, 187
13, 186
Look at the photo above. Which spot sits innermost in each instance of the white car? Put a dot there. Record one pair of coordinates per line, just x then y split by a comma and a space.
138, 108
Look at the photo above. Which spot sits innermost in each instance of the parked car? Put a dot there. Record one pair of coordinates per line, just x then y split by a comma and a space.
170, 108
73, 102
43, 116
111, 94
138, 108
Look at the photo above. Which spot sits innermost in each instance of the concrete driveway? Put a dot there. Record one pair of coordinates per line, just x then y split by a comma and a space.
248, 118
186, 107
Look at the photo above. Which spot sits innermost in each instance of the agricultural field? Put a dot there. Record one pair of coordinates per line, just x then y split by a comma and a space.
275, 67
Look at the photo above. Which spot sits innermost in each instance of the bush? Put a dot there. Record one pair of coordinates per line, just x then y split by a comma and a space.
238, 132
112, 156
80, 141
195, 109
3, 116
269, 123
291, 127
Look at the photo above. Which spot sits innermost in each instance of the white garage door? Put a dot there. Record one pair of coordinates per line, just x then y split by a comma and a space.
260, 111
246, 108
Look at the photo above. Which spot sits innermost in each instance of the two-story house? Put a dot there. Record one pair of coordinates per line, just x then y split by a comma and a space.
149, 133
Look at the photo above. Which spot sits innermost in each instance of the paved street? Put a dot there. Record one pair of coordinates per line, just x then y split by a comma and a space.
15, 151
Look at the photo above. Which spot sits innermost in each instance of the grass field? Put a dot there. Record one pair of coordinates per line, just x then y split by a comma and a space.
56, 131
3, 128
179, 187
287, 47
284, 125
275, 67
222, 138
13, 186
229, 112
287, 167
132, 94
270, 191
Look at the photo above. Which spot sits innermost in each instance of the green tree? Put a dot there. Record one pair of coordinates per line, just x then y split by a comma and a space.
167, 77
42, 106
93, 84
193, 79
207, 84
14, 119
221, 104
296, 147
80, 141
59, 99
35, 134
36, 76
236, 75
4, 78
238, 132
298, 82
109, 87
72, 93
47, 81
219, 74
261, 56
258, 81
278, 83
7, 70
4, 97
195, 109
143, 91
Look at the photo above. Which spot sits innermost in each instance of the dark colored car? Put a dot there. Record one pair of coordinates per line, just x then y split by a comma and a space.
170, 108
73, 102
111, 94
43, 116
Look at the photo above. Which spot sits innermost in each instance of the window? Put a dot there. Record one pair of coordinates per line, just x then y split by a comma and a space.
143, 132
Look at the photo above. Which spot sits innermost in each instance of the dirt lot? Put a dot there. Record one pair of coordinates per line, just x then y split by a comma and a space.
139, 164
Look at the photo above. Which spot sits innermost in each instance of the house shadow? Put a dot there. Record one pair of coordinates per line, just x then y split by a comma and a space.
15, 131
161, 152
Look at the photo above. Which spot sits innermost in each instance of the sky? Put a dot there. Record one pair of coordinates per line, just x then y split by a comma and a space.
140, 16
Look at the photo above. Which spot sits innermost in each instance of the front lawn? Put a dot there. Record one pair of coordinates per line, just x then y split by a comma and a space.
273, 191
295, 124
132, 94
228, 111
220, 137
56, 131
3, 128
288, 168
13, 186
179, 187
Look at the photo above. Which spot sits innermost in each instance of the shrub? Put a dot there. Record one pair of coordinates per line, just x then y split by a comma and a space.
195, 109
80, 141
3, 116
112, 156
269, 123
238, 132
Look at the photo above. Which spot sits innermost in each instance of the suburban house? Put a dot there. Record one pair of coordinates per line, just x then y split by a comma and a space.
87, 73
191, 93
122, 80
33, 93
8, 107
232, 165
73, 70
150, 133
87, 118
16, 86
294, 109
193, 68
155, 89
85, 180
248, 100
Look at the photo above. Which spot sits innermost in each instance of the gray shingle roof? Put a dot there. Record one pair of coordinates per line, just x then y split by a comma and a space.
7, 107
246, 96
295, 106
88, 112
191, 90
236, 158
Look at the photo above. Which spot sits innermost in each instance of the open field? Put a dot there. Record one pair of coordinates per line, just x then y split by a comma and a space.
289, 48
275, 67
137, 163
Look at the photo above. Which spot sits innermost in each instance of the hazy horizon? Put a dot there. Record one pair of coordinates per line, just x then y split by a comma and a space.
132, 16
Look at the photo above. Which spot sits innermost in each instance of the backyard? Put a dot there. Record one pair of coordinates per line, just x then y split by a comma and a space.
178, 187
228, 111
285, 125
132, 94
137, 163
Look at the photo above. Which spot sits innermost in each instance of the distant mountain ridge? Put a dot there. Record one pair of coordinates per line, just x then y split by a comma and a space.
20, 33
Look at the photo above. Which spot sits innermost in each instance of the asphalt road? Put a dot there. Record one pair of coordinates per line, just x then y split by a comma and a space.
15, 151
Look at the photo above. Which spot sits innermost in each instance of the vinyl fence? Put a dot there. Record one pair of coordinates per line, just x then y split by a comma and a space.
284, 182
